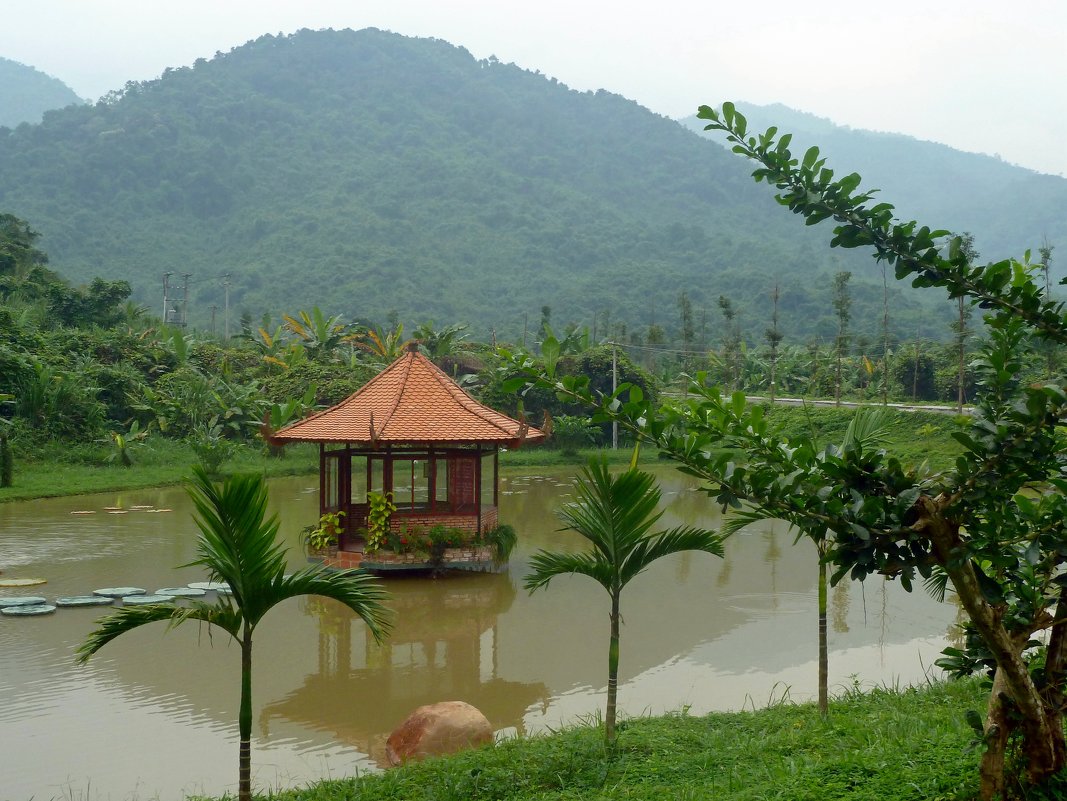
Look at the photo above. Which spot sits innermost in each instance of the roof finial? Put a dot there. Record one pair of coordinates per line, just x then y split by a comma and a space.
413, 346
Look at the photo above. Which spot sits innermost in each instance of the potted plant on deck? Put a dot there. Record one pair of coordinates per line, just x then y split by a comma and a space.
322, 540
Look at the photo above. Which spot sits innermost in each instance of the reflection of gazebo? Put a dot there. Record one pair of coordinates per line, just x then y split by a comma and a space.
411, 431
443, 647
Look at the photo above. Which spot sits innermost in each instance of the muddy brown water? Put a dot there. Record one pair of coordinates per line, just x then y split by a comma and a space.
154, 714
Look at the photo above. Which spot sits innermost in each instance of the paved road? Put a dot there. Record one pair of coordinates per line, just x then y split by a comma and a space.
905, 407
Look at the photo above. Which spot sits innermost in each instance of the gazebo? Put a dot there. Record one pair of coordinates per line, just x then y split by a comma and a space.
413, 432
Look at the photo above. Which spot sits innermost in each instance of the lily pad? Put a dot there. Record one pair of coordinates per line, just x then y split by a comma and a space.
181, 592
119, 592
27, 611
22, 582
85, 600
210, 586
138, 600
21, 600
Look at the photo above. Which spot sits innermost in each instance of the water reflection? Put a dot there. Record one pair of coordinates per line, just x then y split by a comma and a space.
154, 714
444, 646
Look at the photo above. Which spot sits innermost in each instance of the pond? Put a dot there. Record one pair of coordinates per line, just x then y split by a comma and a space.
154, 714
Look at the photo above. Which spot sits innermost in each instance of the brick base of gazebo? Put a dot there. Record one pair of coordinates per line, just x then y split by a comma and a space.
473, 559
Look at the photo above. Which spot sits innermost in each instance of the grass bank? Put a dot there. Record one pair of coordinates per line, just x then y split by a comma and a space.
885, 744
63, 469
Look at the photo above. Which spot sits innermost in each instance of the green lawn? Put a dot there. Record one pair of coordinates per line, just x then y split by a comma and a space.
884, 745
63, 469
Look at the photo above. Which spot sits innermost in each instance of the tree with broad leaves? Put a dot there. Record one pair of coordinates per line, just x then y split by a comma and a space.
320, 335
616, 514
992, 527
238, 545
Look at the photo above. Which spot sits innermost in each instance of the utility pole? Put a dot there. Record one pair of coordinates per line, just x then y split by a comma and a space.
226, 308
614, 386
525, 320
185, 299
166, 286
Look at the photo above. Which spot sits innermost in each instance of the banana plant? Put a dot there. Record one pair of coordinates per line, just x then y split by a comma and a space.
385, 345
121, 443
320, 335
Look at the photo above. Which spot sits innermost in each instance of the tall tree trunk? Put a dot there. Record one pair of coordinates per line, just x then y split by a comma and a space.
824, 660
244, 757
613, 670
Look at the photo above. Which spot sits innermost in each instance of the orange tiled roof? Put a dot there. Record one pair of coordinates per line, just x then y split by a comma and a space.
410, 401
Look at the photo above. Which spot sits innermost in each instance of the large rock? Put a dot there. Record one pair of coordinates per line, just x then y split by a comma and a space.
437, 729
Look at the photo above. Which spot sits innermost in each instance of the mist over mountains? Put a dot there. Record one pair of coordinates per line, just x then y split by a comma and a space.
1008, 208
27, 93
366, 172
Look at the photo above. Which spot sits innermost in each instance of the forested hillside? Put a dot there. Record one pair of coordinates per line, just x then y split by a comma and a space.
26, 94
365, 172
1009, 209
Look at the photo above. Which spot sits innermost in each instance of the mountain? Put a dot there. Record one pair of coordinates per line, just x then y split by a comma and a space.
1009, 209
26, 94
366, 172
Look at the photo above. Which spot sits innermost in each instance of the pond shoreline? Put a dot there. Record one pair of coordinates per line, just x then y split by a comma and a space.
56, 479
902, 744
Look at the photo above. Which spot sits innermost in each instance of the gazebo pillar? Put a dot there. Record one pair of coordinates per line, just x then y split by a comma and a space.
478, 486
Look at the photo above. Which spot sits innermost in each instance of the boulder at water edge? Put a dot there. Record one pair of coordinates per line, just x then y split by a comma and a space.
437, 729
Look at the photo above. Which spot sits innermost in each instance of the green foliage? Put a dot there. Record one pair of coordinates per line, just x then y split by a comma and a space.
570, 432
121, 443
326, 533
502, 539
320, 336
210, 445
380, 511
59, 403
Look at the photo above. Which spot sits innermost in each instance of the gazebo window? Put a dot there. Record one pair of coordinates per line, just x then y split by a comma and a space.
439, 465
411, 483
487, 465
329, 483
360, 486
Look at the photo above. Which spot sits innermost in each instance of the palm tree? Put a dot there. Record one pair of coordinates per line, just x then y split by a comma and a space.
615, 515
238, 545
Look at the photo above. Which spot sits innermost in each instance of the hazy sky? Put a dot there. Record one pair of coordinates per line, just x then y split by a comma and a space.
982, 75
